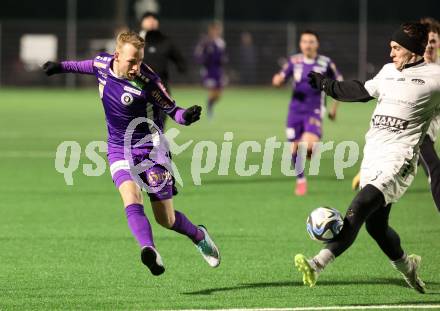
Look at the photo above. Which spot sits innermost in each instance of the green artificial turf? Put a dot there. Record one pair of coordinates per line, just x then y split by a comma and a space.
69, 247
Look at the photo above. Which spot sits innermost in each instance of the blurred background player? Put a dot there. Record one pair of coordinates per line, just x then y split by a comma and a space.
129, 90
210, 53
160, 51
304, 119
428, 155
405, 108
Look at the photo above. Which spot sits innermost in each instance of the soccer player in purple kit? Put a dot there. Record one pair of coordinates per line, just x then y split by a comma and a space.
304, 119
210, 53
129, 90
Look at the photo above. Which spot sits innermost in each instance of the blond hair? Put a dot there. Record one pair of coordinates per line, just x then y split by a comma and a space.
130, 37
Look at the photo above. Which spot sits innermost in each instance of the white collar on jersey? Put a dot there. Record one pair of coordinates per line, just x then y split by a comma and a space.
112, 73
309, 61
419, 62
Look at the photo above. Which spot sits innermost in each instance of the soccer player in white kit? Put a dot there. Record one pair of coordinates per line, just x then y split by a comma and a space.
404, 89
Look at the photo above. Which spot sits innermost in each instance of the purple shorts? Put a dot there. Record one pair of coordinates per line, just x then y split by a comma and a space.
299, 123
155, 179
213, 82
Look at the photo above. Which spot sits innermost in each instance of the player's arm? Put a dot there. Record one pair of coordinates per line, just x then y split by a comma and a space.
347, 91
280, 77
333, 72
81, 67
160, 98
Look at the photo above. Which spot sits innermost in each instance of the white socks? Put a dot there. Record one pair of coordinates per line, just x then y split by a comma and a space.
401, 264
320, 261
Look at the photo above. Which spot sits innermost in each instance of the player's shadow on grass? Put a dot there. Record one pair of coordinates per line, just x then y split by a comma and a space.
374, 281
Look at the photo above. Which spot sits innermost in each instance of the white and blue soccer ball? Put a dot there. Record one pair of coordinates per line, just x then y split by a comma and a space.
324, 224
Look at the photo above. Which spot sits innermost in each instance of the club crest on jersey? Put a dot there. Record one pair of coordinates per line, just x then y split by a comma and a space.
126, 99
418, 81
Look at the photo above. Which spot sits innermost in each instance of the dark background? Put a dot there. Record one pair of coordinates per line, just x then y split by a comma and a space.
235, 10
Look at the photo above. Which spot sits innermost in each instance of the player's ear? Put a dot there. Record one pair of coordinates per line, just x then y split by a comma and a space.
116, 56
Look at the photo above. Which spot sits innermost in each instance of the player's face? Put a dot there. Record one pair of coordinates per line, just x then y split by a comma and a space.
430, 55
309, 45
215, 31
150, 23
128, 60
400, 55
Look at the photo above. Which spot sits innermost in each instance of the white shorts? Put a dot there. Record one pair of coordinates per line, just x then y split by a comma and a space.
392, 173
434, 128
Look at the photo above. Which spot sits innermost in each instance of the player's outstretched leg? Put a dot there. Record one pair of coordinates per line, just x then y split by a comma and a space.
389, 241
368, 200
141, 230
177, 221
408, 266
200, 237
310, 274
208, 249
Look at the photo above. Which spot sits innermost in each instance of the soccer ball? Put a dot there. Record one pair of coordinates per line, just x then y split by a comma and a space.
324, 224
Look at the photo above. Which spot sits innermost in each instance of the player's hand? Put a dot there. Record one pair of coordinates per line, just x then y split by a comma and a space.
51, 68
192, 114
316, 80
332, 114
277, 80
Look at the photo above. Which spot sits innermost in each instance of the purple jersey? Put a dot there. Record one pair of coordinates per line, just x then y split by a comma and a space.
125, 100
305, 99
211, 55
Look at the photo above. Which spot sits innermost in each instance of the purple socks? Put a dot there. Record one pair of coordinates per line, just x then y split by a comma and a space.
141, 229
139, 225
184, 226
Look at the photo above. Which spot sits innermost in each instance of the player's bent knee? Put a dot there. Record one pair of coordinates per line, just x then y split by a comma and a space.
164, 213
130, 193
165, 220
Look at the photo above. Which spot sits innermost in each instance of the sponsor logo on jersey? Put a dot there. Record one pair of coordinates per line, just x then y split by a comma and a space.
389, 122
401, 79
103, 58
132, 90
418, 81
126, 99
164, 103
99, 65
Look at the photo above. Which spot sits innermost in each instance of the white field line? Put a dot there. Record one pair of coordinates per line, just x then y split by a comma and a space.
365, 307
26, 154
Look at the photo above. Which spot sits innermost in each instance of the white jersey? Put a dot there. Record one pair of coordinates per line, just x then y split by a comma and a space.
400, 121
404, 107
